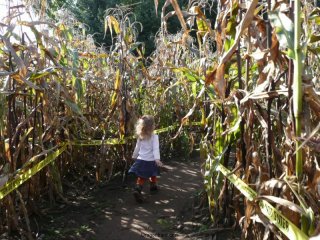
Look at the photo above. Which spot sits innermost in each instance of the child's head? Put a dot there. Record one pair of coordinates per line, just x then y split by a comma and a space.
145, 127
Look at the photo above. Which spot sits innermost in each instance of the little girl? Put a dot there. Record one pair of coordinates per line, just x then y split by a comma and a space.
146, 155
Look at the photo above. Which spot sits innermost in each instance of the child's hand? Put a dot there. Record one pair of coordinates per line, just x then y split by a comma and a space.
159, 163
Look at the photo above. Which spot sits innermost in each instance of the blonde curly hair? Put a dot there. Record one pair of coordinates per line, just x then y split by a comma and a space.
145, 127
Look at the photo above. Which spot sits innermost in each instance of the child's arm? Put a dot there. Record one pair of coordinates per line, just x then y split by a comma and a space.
156, 151
136, 150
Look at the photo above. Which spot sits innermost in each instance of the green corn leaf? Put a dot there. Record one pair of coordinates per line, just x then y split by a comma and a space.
76, 82
116, 89
74, 107
45, 72
194, 89
284, 30
314, 38
191, 76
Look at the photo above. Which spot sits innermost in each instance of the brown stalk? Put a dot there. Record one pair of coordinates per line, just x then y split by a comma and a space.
25, 214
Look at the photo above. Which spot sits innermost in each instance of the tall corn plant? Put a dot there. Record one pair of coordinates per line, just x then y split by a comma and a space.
49, 80
23, 130
121, 21
264, 151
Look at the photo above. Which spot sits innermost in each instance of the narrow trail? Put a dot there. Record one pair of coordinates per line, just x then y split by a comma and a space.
111, 212
159, 216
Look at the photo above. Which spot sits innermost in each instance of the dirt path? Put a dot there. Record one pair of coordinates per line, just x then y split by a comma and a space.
160, 215
111, 212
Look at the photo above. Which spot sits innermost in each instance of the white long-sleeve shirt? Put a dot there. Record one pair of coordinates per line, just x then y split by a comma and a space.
147, 149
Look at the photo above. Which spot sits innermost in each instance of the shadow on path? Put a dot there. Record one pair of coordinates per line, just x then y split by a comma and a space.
158, 217
111, 213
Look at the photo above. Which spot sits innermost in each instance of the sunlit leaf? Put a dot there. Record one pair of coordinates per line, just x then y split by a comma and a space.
314, 38
194, 89
76, 81
43, 73
217, 79
188, 73
314, 16
217, 76
203, 116
116, 89
200, 19
231, 26
111, 23
284, 29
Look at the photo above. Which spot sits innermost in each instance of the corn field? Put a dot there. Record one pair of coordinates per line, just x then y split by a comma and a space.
249, 78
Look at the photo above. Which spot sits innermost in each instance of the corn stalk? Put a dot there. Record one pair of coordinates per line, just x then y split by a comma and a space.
297, 86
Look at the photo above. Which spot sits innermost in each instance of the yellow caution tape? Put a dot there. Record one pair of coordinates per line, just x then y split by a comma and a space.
166, 129
284, 225
23, 175
116, 141
196, 123
110, 141
241, 185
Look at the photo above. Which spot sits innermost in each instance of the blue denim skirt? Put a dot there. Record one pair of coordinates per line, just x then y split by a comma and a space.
144, 169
